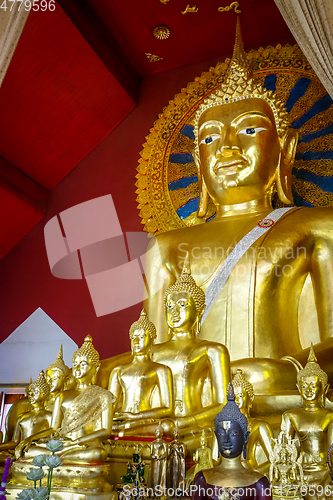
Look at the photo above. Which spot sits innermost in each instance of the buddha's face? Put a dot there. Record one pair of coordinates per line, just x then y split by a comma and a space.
140, 341
181, 312
239, 150
55, 379
311, 388
83, 368
230, 438
241, 397
35, 394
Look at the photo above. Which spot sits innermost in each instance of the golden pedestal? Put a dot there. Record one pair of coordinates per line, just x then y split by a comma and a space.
69, 482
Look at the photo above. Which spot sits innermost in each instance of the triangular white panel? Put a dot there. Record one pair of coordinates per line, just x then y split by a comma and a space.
32, 347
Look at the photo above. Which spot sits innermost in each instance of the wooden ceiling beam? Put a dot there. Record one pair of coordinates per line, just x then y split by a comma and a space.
22, 187
101, 41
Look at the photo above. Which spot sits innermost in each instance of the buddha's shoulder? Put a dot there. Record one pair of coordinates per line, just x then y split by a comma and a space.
309, 215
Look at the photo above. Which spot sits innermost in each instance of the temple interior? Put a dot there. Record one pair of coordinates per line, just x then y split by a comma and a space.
166, 248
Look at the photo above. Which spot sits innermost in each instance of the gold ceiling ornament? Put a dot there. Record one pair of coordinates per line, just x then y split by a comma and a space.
190, 9
233, 5
166, 181
161, 32
164, 1
153, 57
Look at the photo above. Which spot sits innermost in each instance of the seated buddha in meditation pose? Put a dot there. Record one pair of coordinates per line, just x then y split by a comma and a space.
230, 479
260, 432
260, 269
82, 417
313, 424
196, 365
35, 420
136, 384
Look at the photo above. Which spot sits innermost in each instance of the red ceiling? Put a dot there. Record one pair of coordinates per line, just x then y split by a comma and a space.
194, 36
59, 100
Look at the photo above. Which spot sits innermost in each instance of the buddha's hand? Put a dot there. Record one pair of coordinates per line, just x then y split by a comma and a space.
125, 415
22, 446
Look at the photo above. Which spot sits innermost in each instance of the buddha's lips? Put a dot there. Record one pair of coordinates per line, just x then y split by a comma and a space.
230, 162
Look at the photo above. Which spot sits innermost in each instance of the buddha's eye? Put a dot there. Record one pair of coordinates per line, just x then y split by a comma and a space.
251, 130
210, 139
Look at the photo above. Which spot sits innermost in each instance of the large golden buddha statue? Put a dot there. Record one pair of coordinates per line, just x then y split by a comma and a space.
197, 366
82, 417
139, 383
258, 267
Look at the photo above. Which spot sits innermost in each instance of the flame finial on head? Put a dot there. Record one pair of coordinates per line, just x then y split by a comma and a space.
186, 283
238, 84
143, 323
312, 368
59, 364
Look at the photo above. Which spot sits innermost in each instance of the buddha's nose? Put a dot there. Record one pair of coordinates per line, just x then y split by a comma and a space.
229, 143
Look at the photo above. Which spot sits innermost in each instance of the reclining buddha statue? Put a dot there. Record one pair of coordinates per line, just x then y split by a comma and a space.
258, 266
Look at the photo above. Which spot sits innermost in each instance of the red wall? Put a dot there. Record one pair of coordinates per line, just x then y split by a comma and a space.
25, 277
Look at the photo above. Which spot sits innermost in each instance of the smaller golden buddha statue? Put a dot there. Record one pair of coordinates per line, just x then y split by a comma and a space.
82, 417
138, 383
230, 479
203, 455
59, 378
312, 424
158, 464
35, 420
261, 434
176, 464
193, 362
18, 408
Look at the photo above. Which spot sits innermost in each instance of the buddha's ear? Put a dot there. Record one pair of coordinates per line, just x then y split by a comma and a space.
286, 161
203, 193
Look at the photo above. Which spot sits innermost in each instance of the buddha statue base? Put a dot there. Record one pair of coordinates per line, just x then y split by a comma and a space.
61, 493
81, 478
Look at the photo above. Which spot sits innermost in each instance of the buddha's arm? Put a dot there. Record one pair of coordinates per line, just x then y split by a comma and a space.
11, 445
261, 433
322, 271
159, 278
114, 385
219, 365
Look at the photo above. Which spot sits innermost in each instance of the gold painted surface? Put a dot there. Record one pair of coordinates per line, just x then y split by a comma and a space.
242, 161
312, 424
233, 5
290, 65
135, 385
82, 416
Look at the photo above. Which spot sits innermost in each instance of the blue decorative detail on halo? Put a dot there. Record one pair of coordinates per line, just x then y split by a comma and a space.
314, 155
182, 183
182, 158
270, 82
187, 130
321, 105
297, 92
319, 133
190, 207
299, 202
325, 183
